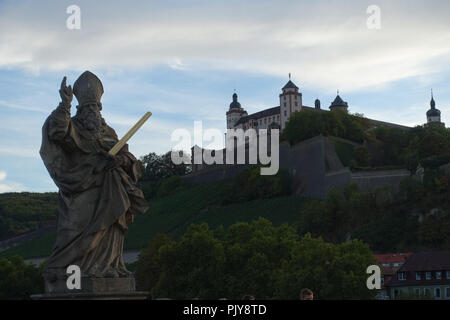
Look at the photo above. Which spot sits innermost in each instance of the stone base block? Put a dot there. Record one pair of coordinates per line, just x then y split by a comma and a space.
136, 295
92, 285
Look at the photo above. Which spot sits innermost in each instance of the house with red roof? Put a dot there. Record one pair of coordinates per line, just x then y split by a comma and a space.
423, 275
390, 263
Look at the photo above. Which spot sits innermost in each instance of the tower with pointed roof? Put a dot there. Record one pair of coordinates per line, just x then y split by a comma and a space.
317, 104
235, 112
290, 102
339, 104
433, 115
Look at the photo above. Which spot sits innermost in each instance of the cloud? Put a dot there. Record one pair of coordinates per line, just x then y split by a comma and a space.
20, 152
325, 45
8, 186
11, 105
177, 64
12, 187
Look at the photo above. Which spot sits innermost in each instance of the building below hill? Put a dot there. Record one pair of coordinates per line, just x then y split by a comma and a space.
390, 263
423, 275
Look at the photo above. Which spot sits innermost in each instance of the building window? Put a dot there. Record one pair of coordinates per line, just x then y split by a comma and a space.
401, 276
438, 275
295, 97
285, 104
397, 264
285, 113
417, 292
265, 120
285, 99
427, 292
278, 118
448, 274
437, 293
418, 276
260, 121
296, 103
428, 275
447, 292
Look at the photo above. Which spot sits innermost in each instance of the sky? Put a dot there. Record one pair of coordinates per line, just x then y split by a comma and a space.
183, 60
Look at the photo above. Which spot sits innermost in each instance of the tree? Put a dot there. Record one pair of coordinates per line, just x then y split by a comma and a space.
435, 231
331, 271
161, 166
171, 185
192, 267
362, 156
252, 185
254, 253
310, 123
19, 280
157, 168
254, 258
149, 268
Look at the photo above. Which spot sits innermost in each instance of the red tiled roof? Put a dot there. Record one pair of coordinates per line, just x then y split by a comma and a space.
392, 257
389, 270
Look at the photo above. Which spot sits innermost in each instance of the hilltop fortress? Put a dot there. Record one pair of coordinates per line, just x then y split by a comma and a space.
314, 163
290, 102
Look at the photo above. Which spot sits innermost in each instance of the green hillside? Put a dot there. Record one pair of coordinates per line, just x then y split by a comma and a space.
173, 214
25, 212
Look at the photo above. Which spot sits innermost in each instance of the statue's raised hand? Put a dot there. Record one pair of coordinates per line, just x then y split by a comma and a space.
66, 93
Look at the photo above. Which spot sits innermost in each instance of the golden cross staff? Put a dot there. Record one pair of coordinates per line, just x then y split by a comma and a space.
114, 150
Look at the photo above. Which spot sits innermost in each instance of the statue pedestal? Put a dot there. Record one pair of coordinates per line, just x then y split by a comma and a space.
93, 289
136, 295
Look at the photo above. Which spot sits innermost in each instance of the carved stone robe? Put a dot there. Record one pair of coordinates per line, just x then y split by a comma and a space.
94, 203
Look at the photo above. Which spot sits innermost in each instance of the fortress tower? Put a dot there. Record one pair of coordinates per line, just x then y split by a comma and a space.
433, 115
235, 112
339, 104
290, 102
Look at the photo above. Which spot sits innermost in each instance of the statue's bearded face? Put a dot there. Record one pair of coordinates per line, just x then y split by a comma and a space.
90, 117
